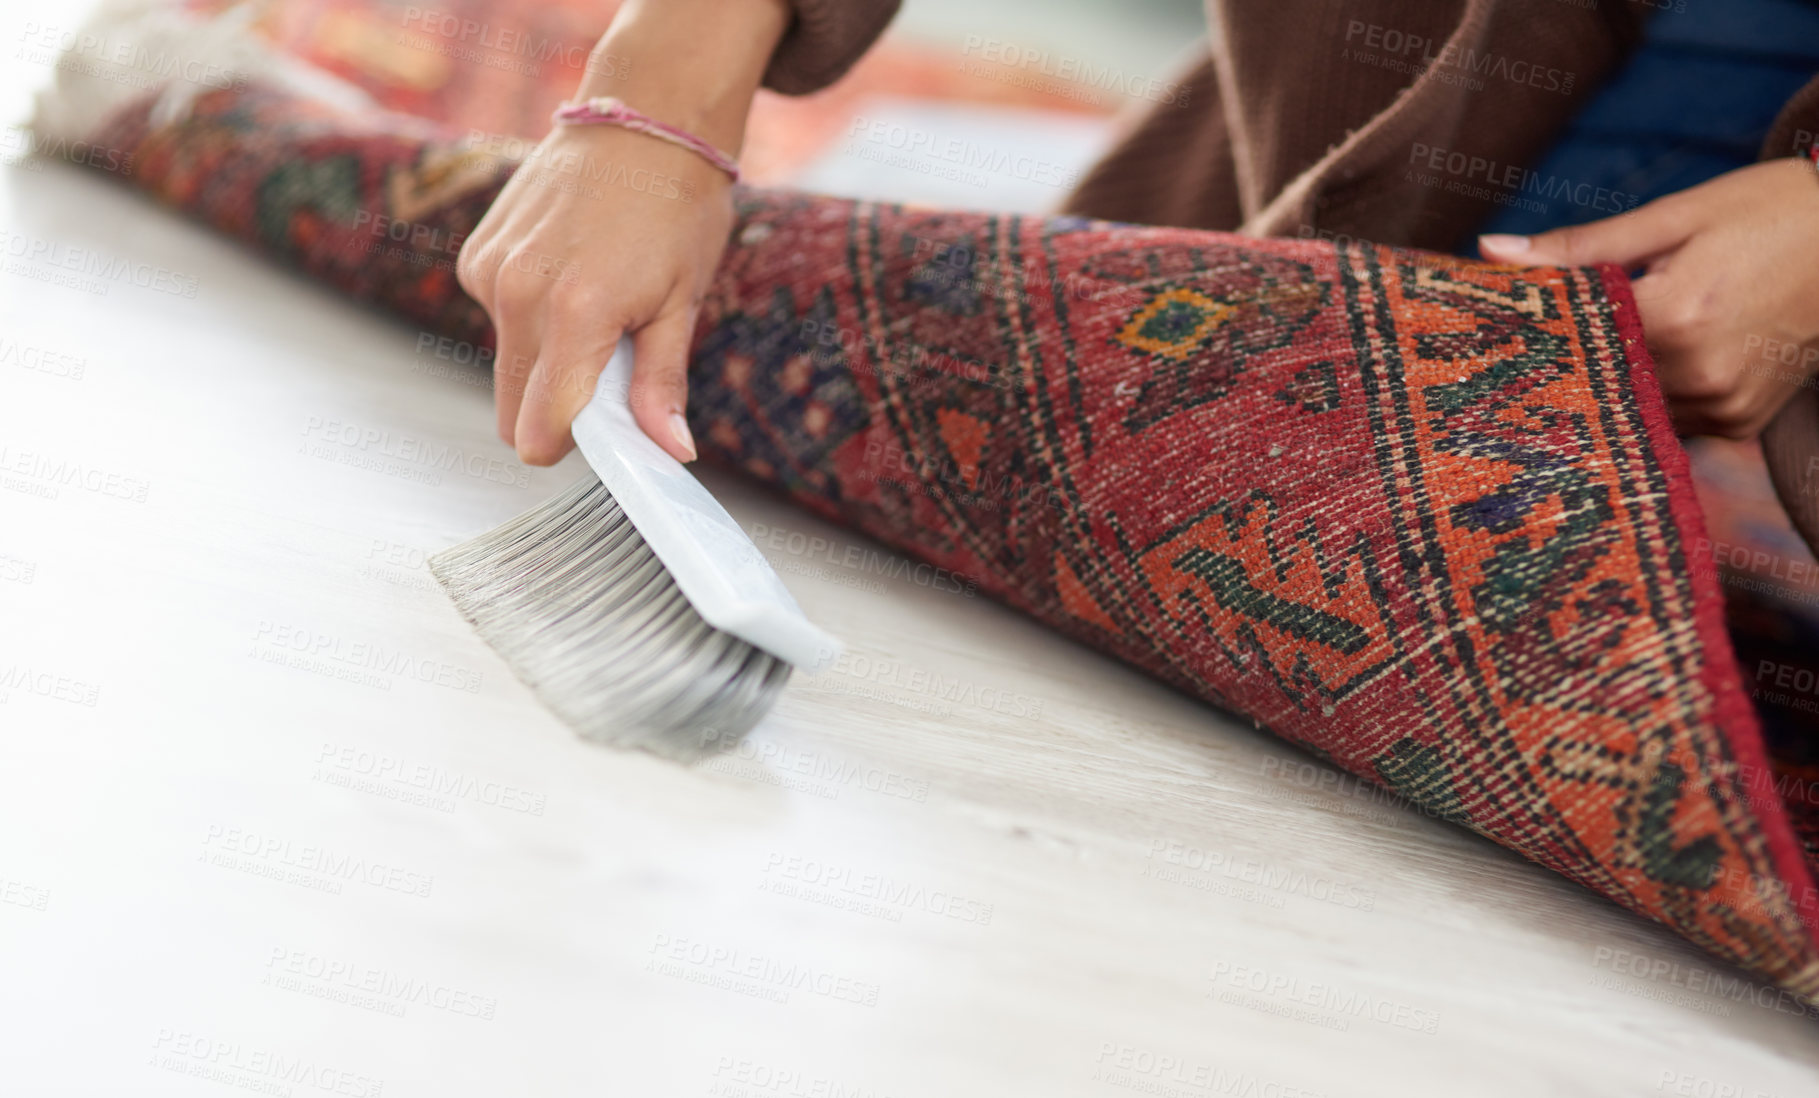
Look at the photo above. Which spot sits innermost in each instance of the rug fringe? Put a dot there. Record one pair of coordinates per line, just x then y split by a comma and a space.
129, 49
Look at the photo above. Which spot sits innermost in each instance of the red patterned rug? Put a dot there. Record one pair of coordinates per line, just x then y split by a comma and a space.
1427, 519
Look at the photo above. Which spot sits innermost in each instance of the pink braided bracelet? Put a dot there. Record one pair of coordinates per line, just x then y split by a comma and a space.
611, 111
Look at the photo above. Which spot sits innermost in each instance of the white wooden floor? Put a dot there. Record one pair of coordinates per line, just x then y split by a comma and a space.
272, 819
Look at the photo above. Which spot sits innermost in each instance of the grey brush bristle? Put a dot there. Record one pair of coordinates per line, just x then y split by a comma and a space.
573, 598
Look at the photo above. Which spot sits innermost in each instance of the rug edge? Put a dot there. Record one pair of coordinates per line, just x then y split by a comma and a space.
1722, 675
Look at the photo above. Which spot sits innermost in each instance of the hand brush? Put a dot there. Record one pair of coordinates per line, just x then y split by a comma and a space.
632, 604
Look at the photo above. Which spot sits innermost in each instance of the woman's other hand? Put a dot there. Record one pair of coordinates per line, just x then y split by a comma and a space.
1730, 297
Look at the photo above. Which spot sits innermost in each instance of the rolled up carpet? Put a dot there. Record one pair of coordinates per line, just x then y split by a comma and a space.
1427, 519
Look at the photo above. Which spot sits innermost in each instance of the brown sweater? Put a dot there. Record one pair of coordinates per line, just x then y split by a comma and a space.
1395, 121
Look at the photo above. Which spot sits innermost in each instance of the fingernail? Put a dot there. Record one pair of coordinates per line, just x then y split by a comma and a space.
678, 428
1502, 242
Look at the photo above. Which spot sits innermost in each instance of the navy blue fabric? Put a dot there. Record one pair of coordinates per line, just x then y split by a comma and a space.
1694, 101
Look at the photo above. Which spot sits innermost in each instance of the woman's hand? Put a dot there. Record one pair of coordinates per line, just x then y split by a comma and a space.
1730, 300
604, 231
564, 265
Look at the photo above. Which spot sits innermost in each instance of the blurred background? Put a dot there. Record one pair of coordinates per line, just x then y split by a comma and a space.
997, 105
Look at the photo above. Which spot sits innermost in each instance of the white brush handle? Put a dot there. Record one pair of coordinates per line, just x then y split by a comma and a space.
723, 575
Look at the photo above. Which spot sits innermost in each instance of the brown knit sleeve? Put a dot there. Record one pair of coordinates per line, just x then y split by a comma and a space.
823, 41
1797, 126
